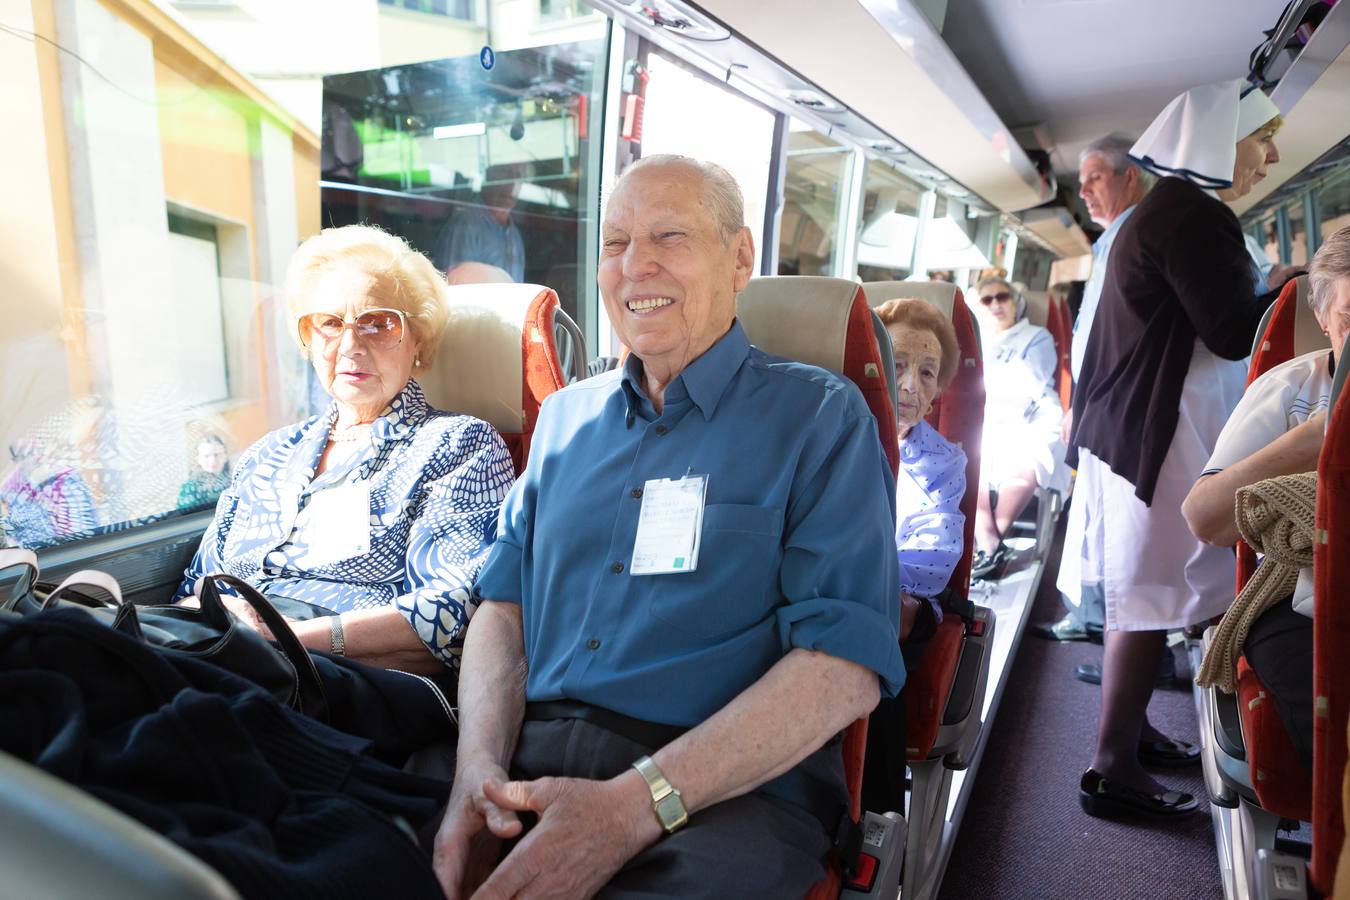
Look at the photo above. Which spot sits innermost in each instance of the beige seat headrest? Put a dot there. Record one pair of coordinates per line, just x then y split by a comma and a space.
941, 294
479, 368
1308, 335
800, 317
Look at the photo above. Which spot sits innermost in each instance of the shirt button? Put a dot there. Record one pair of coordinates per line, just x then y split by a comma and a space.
661, 429
637, 493
616, 568
593, 644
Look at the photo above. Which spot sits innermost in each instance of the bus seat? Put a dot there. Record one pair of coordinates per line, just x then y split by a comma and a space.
826, 322
59, 841
1331, 634
1251, 765
1288, 329
499, 359
1062, 332
944, 697
1282, 787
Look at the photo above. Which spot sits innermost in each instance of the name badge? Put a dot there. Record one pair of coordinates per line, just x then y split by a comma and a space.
670, 525
336, 523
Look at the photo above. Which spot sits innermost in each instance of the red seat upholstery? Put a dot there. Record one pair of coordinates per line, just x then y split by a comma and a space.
827, 322
1281, 784
1331, 637
1064, 343
498, 360
958, 415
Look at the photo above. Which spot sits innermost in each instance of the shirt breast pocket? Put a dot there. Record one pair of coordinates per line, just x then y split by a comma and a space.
736, 583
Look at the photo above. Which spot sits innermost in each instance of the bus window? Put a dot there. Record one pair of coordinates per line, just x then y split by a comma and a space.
496, 166
181, 152
814, 193
1333, 203
889, 224
690, 115
1298, 232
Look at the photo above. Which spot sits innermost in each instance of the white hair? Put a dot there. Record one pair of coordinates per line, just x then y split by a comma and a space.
720, 191
1329, 265
1114, 150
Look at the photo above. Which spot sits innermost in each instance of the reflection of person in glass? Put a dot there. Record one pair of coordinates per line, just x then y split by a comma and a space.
379, 511
210, 475
43, 502
486, 233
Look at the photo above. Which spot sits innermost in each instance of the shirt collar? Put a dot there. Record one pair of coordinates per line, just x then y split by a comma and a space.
408, 408
1109, 232
705, 379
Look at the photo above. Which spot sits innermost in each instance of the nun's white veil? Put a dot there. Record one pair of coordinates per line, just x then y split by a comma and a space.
1195, 137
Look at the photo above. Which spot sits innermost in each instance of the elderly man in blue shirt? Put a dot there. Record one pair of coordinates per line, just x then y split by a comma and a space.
693, 592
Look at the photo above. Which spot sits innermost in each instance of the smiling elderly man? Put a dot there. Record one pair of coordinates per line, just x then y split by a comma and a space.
692, 593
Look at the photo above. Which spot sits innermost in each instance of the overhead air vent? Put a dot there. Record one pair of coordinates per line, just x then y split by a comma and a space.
676, 18
815, 102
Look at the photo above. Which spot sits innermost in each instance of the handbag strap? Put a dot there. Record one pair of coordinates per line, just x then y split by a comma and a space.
12, 558
310, 694
86, 578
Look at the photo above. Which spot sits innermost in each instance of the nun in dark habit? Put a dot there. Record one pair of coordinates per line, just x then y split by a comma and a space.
1162, 372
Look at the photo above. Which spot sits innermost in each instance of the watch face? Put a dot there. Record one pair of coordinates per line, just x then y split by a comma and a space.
670, 810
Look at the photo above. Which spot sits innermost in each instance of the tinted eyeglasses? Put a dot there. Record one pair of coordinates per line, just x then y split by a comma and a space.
1000, 297
379, 329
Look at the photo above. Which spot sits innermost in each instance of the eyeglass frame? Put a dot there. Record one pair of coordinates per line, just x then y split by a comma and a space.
350, 322
1001, 297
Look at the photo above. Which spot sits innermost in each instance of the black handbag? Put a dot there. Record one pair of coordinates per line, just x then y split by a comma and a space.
208, 632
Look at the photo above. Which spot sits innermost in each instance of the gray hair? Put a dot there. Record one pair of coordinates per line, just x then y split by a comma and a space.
1019, 301
720, 191
1114, 149
1330, 264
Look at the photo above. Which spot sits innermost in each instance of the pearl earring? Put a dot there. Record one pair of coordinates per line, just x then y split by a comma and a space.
418, 362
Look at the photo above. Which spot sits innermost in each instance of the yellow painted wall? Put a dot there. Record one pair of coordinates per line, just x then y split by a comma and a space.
204, 133
307, 191
35, 231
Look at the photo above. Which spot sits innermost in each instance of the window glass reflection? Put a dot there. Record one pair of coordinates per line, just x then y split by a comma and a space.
474, 167
175, 163
814, 188
889, 223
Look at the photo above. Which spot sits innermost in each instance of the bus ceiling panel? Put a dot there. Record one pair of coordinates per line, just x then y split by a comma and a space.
1313, 97
742, 61
1056, 227
886, 62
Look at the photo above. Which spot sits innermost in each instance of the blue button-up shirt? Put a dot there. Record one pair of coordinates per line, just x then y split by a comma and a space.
797, 547
930, 532
1092, 293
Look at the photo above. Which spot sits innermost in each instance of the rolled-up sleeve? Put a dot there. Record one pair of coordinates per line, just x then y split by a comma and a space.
451, 539
839, 572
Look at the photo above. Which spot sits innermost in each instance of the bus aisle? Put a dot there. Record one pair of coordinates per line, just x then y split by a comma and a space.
1024, 834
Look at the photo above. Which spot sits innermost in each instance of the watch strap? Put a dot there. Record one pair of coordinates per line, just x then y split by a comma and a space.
338, 643
666, 801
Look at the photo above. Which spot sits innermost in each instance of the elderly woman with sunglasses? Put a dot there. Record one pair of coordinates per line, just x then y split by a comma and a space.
378, 512
1022, 413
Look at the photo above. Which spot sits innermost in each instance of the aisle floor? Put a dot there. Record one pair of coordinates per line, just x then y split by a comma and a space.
1024, 835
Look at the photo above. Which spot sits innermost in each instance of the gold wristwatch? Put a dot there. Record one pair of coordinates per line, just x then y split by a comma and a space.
666, 802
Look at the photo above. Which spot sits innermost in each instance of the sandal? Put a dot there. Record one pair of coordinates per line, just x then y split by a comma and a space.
988, 565
1106, 800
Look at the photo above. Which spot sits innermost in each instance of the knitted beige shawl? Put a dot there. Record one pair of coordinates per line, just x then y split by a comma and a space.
1275, 517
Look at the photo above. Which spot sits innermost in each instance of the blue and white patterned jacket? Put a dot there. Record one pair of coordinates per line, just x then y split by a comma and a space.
436, 482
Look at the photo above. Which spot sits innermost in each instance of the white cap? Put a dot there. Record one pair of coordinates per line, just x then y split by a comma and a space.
1195, 137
